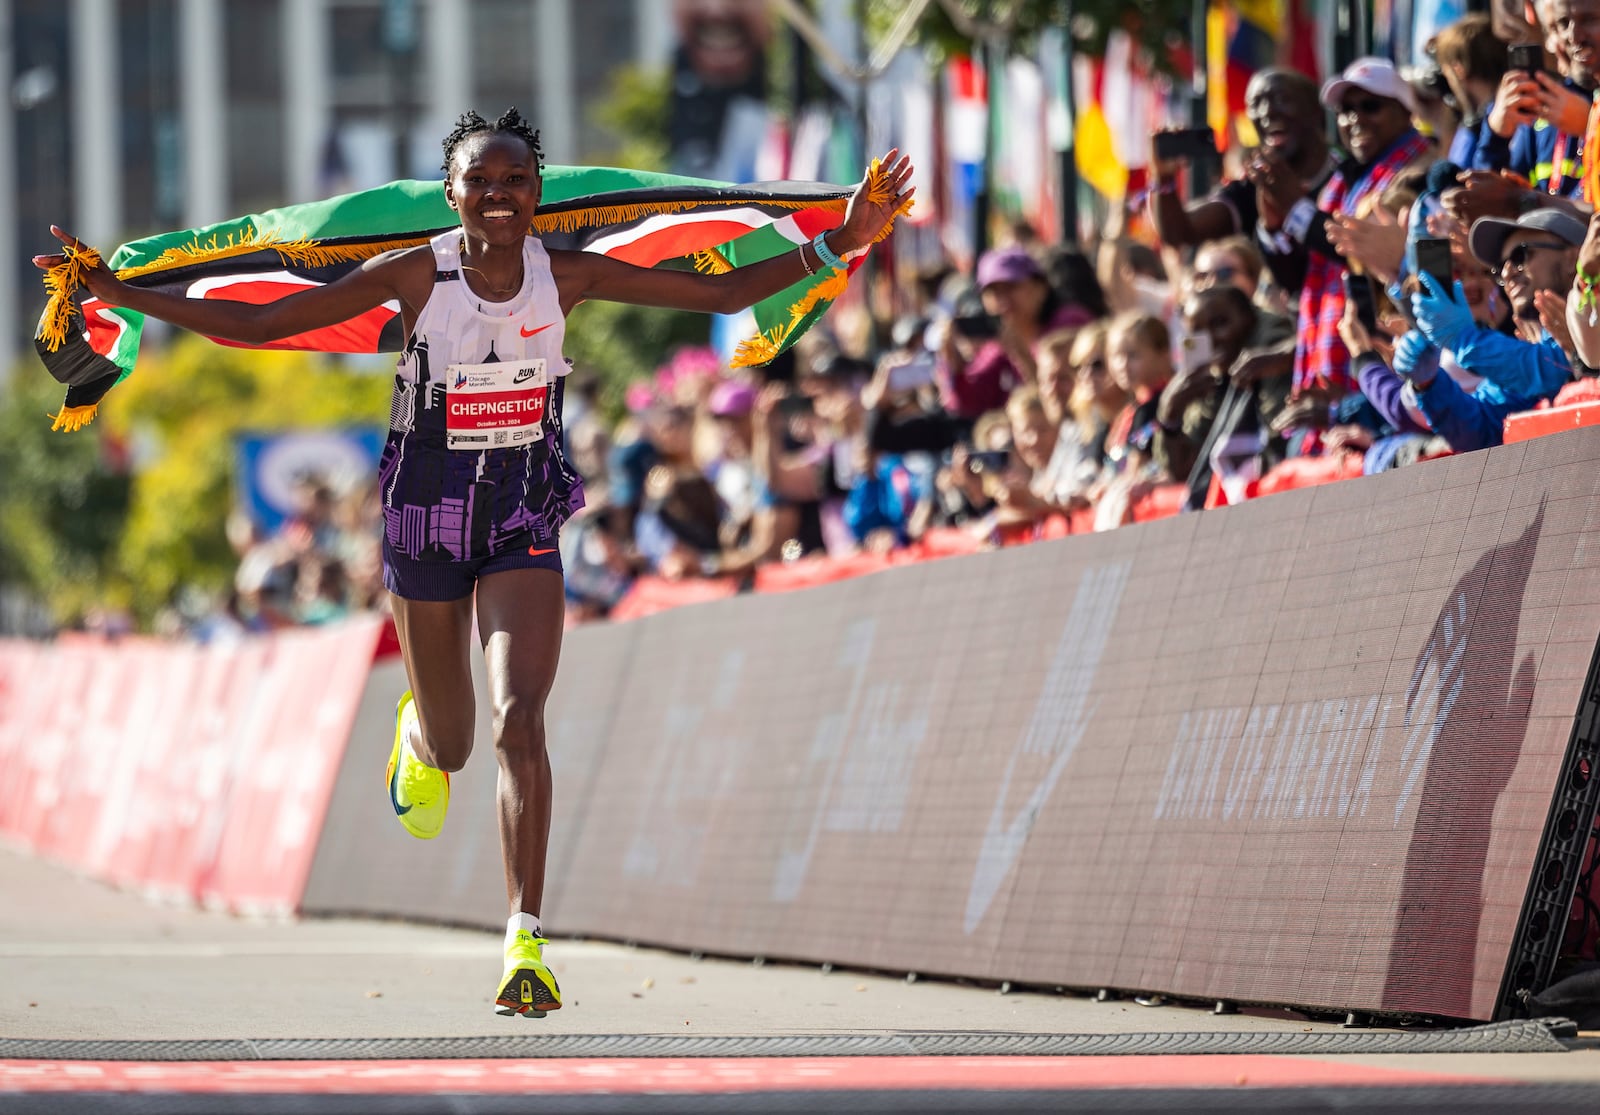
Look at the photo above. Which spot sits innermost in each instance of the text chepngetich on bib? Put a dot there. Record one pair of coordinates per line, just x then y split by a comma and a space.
495, 406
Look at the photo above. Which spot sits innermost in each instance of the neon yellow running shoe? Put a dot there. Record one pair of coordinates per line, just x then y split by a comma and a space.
419, 793
528, 988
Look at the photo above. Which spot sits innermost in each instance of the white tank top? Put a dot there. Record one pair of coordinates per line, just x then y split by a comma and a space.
458, 327
488, 377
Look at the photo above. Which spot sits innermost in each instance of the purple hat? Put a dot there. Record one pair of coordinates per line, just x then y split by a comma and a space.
731, 398
1007, 265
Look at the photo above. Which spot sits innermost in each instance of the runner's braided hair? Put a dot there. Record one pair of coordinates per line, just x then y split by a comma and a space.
510, 123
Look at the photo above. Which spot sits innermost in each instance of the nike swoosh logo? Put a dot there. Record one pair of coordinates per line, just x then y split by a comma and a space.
531, 332
1060, 718
538, 553
399, 810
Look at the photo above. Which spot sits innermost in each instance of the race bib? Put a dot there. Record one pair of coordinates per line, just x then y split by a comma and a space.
495, 406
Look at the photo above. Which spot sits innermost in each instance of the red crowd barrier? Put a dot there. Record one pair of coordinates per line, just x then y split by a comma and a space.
1551, 420
649, 595
197, 772
1308, 472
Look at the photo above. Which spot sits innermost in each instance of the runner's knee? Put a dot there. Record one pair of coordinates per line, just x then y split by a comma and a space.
519, 729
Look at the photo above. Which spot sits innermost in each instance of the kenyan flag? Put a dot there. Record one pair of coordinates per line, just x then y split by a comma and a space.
635, 216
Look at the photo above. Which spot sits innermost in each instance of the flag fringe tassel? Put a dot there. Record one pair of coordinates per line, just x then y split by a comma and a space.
62, 282
72, 419
712, 262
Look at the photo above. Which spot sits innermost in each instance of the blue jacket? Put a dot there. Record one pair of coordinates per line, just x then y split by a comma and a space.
1468, 421
1519, 369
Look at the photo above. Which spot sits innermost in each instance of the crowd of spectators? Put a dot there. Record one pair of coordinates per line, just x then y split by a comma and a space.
320, 564
1381, 291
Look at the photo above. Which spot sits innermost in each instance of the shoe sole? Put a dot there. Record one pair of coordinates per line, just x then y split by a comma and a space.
533, 1004
510, 1012
394, 767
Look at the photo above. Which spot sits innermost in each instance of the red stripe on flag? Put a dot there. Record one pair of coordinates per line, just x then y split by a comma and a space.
103, 327
359, 334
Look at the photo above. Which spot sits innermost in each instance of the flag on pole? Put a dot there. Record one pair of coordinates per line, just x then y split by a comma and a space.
1242, 37
638, 217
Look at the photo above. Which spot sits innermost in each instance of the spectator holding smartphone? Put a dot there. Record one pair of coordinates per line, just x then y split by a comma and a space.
1024, 307
1282, 107
1539, 251
1539, 118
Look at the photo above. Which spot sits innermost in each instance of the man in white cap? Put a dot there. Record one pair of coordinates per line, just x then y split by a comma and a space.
1373, 106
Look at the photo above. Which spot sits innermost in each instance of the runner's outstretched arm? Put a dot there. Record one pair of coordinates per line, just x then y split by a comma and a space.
585, 275
378, 280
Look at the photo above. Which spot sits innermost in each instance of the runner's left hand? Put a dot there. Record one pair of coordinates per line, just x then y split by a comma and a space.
865, 218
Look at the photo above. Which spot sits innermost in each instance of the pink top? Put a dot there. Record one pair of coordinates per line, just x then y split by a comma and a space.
990, 376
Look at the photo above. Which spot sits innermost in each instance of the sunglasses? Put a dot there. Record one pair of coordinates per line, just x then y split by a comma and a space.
1518, 257
1223, 274
1366, 106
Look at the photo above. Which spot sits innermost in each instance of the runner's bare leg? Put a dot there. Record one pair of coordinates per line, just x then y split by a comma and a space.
436, 643
520, 614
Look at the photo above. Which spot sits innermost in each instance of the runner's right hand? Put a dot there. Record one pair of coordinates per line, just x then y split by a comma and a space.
99, 279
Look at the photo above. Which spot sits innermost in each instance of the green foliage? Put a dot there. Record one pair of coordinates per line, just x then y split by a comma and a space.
613, 343
1155, 24
188, 403
618, 344
63, 501
79, 530
635, 114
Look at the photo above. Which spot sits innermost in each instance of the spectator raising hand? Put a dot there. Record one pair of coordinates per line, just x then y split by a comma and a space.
1583, 303
1358, 340
1484, 193
1377, 242
1516, 103
1560, 107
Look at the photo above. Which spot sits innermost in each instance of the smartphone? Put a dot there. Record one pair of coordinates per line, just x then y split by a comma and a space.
1189, 144
1433, 258
1358, 289
911, 375
977, 327
1528, 57
1197, 351
989, 460
792, 406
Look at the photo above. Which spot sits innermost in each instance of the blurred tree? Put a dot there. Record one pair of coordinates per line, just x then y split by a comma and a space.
955, 26
634, 112
63, 501
613, 343
617, 344
183, 409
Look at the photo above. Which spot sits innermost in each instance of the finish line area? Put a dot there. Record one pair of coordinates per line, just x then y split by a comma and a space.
111, 1003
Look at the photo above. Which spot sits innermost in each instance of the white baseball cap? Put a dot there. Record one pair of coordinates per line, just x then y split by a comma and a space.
1374, 75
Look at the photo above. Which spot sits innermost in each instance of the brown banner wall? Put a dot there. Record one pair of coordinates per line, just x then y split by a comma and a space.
1301, 751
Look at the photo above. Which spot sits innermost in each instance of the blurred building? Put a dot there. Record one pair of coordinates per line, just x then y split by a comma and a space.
127, 117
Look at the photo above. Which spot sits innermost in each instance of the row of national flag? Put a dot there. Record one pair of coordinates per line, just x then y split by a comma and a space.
1118, 99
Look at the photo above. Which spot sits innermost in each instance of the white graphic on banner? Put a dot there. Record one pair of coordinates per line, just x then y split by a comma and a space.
1435, 685
1317, 758
692, 772
860, 762
1059, 721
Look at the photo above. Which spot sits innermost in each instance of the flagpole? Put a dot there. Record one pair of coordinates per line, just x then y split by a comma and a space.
1199, 114
1069, 153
